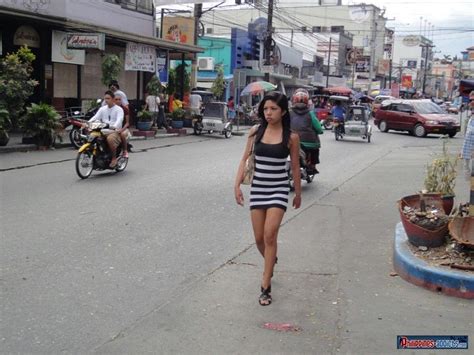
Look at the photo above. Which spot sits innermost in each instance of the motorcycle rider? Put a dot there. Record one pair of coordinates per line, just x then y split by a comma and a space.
307, 126
124, 131
338, 113
115, 88
113, 116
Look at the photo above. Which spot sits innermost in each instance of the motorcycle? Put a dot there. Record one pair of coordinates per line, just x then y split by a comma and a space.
306, 174
76, 119
339, 129
95, 154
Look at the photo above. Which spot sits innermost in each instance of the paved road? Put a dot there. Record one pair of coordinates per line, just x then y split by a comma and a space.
84, 262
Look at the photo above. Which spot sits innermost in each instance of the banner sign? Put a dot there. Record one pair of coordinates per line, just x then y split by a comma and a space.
162, 66
140, 57
61, 54
411, 64
362, 65
86, 40
395, 90
179, 29
407, 81
383, 67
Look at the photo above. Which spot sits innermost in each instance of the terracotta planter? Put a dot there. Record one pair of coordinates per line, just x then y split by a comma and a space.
448, 203
417, 235
462, 229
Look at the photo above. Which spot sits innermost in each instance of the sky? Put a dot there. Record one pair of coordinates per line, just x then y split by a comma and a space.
453, 20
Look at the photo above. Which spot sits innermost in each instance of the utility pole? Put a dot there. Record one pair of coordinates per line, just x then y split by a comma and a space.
268, 39
329, 61
425, 66
372, 50
197, 19
291, 40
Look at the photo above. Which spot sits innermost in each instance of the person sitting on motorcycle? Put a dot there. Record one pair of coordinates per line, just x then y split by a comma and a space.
124, 131
113, 116
307, 126
338, 113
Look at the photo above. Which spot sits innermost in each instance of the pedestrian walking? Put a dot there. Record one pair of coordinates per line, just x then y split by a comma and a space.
231, 109
467, 150
152, 104
269, 144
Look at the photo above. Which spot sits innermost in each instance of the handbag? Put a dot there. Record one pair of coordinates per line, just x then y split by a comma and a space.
249, 168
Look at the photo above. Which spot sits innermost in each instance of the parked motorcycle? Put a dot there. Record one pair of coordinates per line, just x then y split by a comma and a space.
304, 171
95, 154
76, 119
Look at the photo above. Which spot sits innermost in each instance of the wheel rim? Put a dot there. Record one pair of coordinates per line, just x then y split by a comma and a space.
419, 131
76, 138
121, 164
383, 126
85, 164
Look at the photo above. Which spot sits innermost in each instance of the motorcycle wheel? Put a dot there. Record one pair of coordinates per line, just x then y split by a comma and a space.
84, 164
75, 137
327, 124
121, 164
197, 128
336, 134
228, 132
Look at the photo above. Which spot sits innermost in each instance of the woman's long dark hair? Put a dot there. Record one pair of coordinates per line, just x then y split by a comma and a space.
282, 101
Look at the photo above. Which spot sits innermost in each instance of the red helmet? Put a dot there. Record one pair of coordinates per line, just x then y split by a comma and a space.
301, 96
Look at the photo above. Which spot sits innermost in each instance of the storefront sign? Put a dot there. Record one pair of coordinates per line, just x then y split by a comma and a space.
61, 54
140, 57
362, 65
86, 40
162, 66
179, 29
383, 67
410, 64
407, 81
411, 41
26, 35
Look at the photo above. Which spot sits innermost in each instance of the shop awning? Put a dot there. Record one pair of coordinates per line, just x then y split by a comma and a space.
109, 33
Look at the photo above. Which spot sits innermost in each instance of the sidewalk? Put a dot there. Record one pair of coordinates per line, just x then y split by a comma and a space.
332, 283
15, 144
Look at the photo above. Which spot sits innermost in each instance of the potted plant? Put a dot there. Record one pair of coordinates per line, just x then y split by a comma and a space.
4, 124
177, 117
111, 67
441, 177
41, 121
144, 120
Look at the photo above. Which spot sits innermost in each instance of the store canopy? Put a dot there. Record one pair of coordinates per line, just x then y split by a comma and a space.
340, 90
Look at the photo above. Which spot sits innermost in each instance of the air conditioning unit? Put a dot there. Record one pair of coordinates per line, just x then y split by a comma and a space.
206, 63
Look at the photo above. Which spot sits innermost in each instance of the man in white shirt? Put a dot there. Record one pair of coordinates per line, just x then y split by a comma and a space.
115, 88
195, 103
152, 104
113, 115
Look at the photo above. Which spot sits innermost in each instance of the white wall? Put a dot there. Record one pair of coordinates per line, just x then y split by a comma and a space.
93, 12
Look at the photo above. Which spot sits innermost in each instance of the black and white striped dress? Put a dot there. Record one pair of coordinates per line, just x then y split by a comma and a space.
270, 185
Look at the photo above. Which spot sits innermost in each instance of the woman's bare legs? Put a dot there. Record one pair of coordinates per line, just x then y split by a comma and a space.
273, 220
258, 224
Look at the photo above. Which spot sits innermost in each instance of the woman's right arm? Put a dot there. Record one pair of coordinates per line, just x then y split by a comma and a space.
239, 197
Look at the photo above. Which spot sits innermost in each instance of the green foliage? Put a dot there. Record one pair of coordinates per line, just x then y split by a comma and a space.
41, 121
441, 173
144, 116
16, 85
178, 114
111, 67
154, 86
4, 119
218, 86
175, 79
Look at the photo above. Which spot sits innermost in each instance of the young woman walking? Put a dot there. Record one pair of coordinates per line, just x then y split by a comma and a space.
273, 142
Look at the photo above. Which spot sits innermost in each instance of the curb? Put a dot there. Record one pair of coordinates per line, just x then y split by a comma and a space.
416, 271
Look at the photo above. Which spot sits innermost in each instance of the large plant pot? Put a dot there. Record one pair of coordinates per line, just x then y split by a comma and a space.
188, 122
4, 138
144, 126
417, 235
177, 124
44, 139
462, 230
448, 203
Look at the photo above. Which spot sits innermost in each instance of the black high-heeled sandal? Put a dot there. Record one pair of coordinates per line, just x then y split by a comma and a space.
265, 298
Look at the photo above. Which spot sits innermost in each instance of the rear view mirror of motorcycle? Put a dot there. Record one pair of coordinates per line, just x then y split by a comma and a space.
99, 101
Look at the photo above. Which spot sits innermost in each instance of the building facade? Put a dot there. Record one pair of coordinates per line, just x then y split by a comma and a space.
69, 76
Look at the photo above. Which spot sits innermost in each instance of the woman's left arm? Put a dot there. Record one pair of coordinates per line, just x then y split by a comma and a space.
295, 168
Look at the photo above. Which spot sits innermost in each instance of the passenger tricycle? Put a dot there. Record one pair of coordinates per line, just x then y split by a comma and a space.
213, 119
356, 124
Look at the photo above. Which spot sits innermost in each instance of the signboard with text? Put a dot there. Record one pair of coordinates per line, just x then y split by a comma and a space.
407, 81
86, 40
362, 65
140, 57
179, 29
162, 66
60, 53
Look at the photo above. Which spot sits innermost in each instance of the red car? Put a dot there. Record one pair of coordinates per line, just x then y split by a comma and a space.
418, 117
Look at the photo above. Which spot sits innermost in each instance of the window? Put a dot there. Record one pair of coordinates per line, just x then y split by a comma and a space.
337, 29
316, 29
404, 108
145, 6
